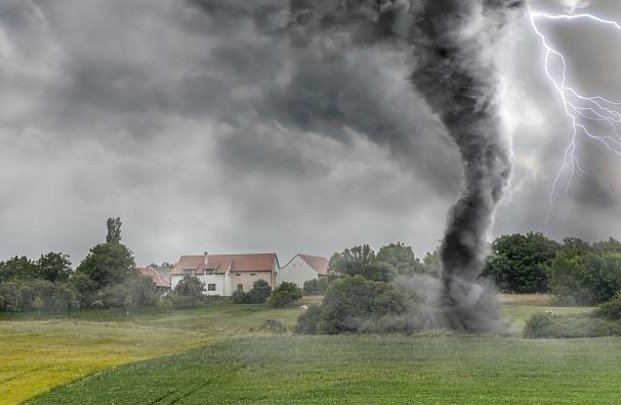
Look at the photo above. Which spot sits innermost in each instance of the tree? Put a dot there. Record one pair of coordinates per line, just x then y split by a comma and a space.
361, 261
187, 293
107, 263
400, 259
259, 293
316, 286
584, 279
285, 295
18, 268
351, 303
85, 288
54, 267
610, 245
432, 263
517, 262
114, 230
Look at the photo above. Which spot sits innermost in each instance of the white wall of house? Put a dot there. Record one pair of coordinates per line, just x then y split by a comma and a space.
296, 271
220, 284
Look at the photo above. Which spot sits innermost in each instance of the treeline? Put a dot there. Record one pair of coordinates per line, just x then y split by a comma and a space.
574, 271
105, 278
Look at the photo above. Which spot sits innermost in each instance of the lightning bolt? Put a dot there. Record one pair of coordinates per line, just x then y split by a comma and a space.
586, 114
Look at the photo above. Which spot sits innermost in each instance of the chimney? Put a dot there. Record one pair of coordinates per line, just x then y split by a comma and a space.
206, 258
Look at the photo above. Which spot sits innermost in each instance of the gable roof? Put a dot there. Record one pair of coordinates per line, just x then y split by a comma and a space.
221, 263
158, 279
320, 264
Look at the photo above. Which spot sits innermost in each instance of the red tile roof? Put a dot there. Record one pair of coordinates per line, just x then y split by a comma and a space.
222, 263
320, 264
158, 279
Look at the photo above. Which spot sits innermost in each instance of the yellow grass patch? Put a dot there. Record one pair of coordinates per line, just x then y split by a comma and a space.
38, 355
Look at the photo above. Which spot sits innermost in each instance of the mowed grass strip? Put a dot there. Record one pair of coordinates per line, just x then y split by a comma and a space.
364, 369
38, 353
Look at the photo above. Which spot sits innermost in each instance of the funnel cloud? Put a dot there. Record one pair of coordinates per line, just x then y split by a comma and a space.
456, 71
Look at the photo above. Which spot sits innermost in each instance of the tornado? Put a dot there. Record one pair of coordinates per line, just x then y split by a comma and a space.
456, 49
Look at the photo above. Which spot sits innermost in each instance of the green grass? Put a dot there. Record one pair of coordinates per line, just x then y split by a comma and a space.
365, 369
38, 353
519, 314
41, 352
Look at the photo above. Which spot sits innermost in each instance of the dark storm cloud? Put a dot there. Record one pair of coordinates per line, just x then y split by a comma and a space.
221, 125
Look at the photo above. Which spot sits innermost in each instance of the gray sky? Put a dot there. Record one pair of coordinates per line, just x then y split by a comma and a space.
205, 127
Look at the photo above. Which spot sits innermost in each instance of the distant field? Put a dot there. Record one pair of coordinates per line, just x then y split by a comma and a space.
37, 353
365, 370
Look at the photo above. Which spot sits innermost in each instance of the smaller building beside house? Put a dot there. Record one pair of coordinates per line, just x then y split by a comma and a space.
224, 274
160, 281
303, 268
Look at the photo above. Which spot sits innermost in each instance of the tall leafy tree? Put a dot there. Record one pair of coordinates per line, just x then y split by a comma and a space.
518, 262
107, 263
432, 262
18, 268
54, 267
400, 259
360, 261
114, 230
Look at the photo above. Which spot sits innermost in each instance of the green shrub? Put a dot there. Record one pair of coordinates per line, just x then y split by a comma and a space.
285, 295
584, 278
316, 286
188, 293
239, 297
549, 325
310, 322
272, 326
259, 293
114, 295
356, 304
610, 309
180, 301
28, 295
351, 301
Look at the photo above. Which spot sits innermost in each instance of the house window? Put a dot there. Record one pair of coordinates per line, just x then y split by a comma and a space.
253, 274
238, 275
209, 272
211, 287
240, 287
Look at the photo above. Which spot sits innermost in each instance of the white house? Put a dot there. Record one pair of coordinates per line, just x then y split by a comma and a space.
303, 268
223, 274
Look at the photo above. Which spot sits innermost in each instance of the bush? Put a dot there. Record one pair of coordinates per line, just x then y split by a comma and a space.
259, 293
610, 309
316, 286
310, 322
273, 326
239, 297
549, 325
179, 301
187, 293
353, 300
28, 295
585, 278
285, 295
355, 304
142, 292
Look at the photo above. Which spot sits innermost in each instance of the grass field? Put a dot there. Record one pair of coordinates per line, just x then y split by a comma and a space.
365, 370
38, 353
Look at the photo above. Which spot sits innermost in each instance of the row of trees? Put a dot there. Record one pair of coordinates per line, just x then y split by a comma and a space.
574, 271
389, 262
104, 278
